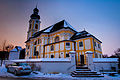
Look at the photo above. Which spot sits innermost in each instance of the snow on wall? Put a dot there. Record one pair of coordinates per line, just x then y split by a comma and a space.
48, 65
105, 59
105, 63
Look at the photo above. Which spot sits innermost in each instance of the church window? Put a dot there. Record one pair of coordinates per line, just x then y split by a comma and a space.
28, 47
52, 47
67, 55
36, 26
56, 39
52, 56
35, 52
98, 45
67, 44
81, 44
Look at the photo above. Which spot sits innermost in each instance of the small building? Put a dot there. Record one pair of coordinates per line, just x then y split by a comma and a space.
15, 53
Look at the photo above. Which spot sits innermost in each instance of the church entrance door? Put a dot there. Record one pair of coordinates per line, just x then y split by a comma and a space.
82, 59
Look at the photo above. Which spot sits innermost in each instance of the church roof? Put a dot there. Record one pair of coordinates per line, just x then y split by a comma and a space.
60, 25
82, 34
64, 25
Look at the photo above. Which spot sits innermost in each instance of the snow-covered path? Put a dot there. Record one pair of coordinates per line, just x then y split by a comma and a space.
38, 75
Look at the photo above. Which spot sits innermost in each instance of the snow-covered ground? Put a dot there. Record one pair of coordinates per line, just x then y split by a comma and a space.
60, 76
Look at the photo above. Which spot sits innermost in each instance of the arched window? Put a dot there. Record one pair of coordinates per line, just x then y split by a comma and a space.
36, 26
56, 39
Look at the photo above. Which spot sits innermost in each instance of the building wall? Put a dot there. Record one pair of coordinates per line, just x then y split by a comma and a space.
88, 45
14, 55
60, 49
63, 34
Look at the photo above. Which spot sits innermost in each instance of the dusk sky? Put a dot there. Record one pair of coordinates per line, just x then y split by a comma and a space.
99, 17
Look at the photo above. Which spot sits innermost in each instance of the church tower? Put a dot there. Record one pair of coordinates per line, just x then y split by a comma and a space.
34, 23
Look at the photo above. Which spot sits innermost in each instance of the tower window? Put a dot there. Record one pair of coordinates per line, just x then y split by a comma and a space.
81, 44
36, 26
52, 48
56, 39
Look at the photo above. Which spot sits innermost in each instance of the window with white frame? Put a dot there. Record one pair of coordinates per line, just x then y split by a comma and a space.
80, 44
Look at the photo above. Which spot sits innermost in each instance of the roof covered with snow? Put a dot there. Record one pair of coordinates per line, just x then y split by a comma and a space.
63, 25
83, 34
105, 59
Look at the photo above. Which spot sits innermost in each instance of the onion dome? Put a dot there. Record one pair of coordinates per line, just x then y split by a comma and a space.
35, 14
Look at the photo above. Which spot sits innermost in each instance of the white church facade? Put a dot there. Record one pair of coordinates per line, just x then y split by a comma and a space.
57, 40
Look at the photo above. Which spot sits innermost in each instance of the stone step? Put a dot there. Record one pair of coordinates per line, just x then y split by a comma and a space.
83, 70
79, 67
85, 73
87, 76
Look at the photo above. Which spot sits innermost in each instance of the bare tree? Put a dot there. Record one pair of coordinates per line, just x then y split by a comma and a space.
105, 56
5, 49
9, 47
4, 45
117, 52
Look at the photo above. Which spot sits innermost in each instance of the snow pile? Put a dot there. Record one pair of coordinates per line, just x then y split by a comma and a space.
4, 73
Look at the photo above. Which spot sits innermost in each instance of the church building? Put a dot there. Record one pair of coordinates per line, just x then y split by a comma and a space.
57, 40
